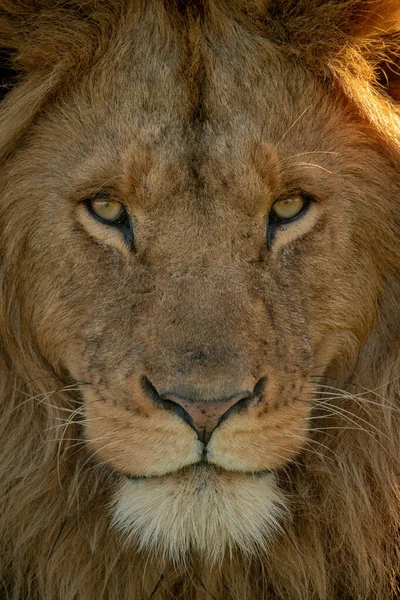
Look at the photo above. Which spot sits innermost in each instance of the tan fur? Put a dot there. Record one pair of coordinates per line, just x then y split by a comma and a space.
197, 116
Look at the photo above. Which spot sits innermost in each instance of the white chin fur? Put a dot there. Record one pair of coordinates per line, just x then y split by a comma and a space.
200, 510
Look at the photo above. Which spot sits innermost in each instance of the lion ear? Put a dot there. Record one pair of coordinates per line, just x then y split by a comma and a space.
375, 30
53, 36
358, 43
373, 17
10, 34
354, 43
8, 74
367, 66
388, 76
43, 46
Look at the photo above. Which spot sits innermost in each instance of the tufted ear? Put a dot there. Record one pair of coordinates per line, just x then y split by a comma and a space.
367, 67
44, 44
320, 28
374, 17
354, 42
8, 75
45, 35
374, 34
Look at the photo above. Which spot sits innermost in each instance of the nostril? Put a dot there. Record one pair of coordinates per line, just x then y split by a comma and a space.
240, 405
259, 388
151, 391
202, 415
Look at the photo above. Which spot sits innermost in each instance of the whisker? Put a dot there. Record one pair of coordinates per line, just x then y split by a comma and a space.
70, 410
63, 439
311, 440
292, 125
94, 454
354, 384
331, 427
347, 415
98, 465
325, 416
306, 440
287, 158
305, 164
83, 422
41, 399
360, 398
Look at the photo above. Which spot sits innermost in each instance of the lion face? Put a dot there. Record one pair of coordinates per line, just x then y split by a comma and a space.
195, 317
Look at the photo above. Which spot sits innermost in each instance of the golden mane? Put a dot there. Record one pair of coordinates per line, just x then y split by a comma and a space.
342, 540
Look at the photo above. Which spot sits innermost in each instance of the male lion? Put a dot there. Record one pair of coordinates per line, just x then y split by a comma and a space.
199, 314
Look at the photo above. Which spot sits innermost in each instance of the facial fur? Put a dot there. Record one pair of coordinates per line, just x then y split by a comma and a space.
202, 360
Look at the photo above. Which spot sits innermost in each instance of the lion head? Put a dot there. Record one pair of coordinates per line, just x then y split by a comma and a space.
199, 266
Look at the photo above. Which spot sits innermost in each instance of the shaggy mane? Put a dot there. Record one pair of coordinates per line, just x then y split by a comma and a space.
351, 41
342, 541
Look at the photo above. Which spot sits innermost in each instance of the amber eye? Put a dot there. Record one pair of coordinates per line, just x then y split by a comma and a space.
288, 208
106, 209
113, 214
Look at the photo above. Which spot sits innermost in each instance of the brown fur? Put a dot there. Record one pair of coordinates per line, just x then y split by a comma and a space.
198, 119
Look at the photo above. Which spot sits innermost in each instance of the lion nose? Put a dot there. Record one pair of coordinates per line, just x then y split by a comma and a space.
202, 415
205, 416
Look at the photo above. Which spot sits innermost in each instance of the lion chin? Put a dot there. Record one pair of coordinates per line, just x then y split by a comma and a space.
200, 511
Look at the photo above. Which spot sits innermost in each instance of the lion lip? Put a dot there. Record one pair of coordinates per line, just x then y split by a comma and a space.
131, 477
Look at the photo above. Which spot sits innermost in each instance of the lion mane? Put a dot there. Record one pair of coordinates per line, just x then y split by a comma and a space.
339, 538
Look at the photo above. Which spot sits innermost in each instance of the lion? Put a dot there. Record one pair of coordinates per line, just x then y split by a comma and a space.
199, 305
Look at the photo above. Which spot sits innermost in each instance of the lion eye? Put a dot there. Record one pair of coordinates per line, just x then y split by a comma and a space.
288, 208
113, 214
107, 210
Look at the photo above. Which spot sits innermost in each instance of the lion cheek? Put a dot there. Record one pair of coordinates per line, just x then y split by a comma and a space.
137, 446
262, 442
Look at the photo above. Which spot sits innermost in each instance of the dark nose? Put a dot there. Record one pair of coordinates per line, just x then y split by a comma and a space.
202, 415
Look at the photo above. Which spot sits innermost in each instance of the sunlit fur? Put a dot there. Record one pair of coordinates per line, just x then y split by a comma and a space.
66, 524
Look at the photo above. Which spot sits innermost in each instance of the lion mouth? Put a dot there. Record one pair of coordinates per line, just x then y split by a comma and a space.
203, 465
